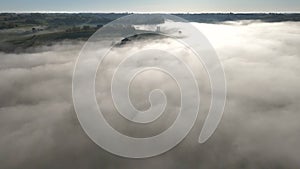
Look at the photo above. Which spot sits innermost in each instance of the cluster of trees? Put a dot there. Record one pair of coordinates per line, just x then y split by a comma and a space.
83, 28
7, 25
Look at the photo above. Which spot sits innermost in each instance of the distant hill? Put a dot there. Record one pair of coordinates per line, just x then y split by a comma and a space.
19, 31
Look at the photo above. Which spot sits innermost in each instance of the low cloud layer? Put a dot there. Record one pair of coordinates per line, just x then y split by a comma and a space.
260, 127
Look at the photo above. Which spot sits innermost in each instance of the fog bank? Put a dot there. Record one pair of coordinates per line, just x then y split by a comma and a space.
260, 127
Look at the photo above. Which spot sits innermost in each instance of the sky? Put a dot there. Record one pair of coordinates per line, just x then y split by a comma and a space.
168, 6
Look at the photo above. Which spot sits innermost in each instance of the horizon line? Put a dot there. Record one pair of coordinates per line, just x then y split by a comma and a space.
159, 12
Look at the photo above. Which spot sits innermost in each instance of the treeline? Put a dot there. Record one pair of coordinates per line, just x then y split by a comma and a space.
55, 20
83, 28
11, 20
222, 17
